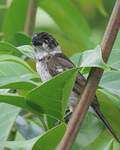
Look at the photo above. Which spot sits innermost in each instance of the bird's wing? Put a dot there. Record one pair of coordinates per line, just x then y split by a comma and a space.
60, 63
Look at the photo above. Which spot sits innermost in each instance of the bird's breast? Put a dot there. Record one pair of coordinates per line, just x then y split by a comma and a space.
43, 71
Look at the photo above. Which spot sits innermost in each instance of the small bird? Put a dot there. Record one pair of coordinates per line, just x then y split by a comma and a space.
50, 61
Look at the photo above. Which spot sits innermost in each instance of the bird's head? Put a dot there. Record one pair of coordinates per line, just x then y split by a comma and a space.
45, 43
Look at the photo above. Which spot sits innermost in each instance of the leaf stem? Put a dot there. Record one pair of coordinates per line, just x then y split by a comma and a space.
43, 122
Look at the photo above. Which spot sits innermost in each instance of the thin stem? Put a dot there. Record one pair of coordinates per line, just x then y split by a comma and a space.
92, 81
43, 122
30, 18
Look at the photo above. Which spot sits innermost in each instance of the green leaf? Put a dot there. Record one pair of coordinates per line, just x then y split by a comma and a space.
19, 145
18, 101
117, 41
67, 14
36, 121
27, 50
100, 6
18, 84
106, 105
51, 138
27, 129
110, 80
10, 70
48, 141
21, 39
90, 58
51, 97
91, 129
51, 122
103, 142
7, 48
19, 137
15, 59
113, 95
16, 76
114, 59
15, 18
6, 122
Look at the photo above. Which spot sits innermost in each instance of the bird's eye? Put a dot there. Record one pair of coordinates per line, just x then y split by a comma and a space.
40, 43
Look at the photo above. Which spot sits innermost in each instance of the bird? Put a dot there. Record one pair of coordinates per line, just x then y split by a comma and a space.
50, 61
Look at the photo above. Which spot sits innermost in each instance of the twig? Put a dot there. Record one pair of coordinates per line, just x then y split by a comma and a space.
30, 18
29, 114
92, 81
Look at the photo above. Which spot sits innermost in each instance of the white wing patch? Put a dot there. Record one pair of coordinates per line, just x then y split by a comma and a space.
59, 69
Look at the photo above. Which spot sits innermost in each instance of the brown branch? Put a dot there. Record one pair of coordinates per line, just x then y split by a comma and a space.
92, 81
30, 18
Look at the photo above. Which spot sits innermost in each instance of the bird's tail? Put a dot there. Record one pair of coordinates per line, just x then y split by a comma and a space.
101, 116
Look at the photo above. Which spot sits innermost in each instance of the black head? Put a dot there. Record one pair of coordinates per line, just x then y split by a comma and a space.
44, 39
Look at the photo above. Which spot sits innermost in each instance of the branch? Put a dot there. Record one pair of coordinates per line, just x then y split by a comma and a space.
30, 18
92, 81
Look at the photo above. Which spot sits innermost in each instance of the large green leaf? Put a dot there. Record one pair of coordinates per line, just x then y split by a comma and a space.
14, 75
18, 101
91, 129
117, 41
69, 20
51, 97
90, 58
8, 115
11, 71
111, 80
104, 142
93, 58
50, 139
114, 59
113, 95
27, 129
7, 48
109, 109
15, 18
19, 145
18, 84
15, 59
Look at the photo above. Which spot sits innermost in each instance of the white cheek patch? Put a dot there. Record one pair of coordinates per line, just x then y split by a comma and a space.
45, 46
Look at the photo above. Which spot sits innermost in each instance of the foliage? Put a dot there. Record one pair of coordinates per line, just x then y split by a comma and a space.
34, 107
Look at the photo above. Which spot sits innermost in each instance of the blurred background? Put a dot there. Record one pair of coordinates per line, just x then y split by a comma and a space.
78, 25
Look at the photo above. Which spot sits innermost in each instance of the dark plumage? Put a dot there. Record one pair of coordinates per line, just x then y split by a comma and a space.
42, 37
